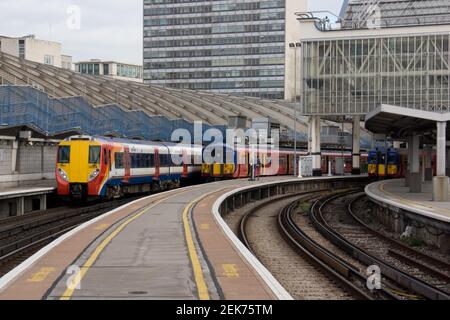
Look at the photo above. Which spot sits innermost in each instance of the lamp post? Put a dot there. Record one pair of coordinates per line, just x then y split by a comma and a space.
295, 46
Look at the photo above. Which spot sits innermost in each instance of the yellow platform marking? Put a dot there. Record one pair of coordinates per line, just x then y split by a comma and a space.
198, 272
102, 226
99, 249
230, 271
41, 275
204, 226
202, 288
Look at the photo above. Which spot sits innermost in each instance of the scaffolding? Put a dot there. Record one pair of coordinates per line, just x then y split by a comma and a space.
20, 105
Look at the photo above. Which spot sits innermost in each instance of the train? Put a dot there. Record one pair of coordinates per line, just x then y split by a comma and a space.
384, 163
95, 167
392, 163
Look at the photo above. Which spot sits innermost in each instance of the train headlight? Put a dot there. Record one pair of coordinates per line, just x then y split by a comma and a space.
94, 175
63, 175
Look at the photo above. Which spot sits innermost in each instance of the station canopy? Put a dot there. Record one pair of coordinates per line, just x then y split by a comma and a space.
398, 122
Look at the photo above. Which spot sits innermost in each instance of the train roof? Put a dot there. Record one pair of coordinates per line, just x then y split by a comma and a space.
104, 139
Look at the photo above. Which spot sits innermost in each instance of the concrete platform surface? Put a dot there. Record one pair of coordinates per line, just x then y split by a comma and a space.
141, 251
394, 192
28, 189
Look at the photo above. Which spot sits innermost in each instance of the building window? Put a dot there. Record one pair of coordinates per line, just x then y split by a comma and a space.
96, 69
48, 60
22, 49
106, 69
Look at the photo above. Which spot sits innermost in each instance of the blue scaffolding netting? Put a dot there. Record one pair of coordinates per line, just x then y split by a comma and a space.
24, 105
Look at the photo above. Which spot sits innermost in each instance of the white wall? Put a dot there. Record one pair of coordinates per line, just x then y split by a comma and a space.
10, 46
66, 62
292, 35
36, 50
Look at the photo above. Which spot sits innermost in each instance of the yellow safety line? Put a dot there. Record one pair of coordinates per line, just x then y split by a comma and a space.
202, 288
198, 272
93, 257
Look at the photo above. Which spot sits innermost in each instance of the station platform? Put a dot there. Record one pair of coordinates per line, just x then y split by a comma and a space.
25, 198
164, 246
394, 193
30, 190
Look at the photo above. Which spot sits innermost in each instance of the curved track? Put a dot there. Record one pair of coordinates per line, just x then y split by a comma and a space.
260, 232
371, 249
346, 273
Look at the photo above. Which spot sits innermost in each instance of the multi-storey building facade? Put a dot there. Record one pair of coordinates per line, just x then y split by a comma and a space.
112, 69
227, 46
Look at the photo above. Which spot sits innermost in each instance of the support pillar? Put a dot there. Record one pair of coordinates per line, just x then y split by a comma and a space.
20, 206
409, 141
14, 153
447, 171
441, 182
415, 178
43, 202
356, 153
315, 150
428, 163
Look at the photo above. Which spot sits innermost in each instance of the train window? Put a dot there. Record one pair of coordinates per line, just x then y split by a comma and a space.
392, 158
64, 154
94, 154
105, 158
150, 160
163, 160
142, 160
118, 157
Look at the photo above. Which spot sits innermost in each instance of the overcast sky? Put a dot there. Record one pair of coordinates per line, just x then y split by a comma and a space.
108, 29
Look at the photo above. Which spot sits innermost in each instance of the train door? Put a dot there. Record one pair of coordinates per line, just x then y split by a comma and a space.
106, 160
127, 164
157, 164
326, 164
247, 164
185, 163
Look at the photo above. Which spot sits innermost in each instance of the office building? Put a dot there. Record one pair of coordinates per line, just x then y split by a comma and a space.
228, 46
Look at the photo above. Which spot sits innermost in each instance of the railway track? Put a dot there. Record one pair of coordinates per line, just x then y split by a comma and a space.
417, 273
22, 236
260, 231
335, 238
401, 251
346, 273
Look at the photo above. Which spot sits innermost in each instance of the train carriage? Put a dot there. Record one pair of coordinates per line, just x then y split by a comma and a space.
90, 167
98, 167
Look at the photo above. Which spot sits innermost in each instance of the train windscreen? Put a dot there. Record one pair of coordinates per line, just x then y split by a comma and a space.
64, 154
